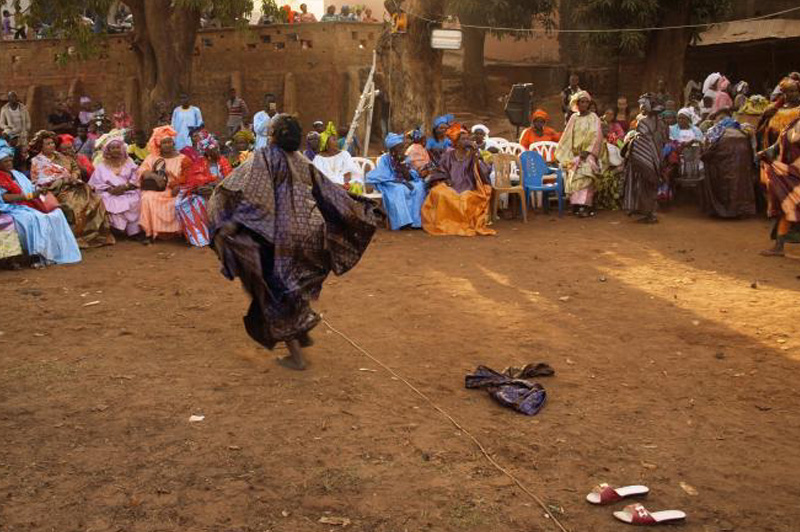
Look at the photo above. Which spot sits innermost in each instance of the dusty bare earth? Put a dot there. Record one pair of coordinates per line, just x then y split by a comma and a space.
673, 370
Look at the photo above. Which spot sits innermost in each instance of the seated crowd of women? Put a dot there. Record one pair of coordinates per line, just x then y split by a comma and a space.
441, 184
62, 194
68, 201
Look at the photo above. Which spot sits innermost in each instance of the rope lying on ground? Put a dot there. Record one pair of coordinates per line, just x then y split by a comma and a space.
450, 418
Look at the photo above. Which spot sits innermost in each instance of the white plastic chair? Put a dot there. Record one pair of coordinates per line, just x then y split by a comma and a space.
500, 142
546, 149
367, 165
512, 148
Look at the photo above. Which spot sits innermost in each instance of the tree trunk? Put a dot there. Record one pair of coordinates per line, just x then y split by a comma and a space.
163, 41
666, 50
410, 71
473, 70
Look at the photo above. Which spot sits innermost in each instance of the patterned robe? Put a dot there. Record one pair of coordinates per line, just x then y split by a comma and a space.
283, 228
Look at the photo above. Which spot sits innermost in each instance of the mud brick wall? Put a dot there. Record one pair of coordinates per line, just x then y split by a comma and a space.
315, 70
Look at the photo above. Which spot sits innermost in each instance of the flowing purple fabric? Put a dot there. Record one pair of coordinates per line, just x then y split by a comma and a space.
287, 227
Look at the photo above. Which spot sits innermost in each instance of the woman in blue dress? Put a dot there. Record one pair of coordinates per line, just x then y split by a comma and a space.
45, 236
438, 142
402, 189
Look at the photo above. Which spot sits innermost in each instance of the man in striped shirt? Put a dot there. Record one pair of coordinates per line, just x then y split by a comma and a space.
237, 110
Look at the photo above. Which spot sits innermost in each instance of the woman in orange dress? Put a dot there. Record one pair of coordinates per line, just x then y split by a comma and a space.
778, 117
458, 202
539, 131
158, 215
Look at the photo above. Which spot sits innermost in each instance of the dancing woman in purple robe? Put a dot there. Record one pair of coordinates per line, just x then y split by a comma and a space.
281, 226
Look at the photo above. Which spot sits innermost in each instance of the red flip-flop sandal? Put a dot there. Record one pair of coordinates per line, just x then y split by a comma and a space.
636, 514
605, 494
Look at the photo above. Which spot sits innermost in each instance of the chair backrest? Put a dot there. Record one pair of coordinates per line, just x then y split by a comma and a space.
513, 148
505, 165
534, 168
547, 149
500, 142
365, 164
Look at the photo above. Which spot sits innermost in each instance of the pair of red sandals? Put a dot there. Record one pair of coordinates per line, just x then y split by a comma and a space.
634, 514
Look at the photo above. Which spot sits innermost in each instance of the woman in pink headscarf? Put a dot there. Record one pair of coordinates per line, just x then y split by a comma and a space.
163, 168
116, 180
715, 93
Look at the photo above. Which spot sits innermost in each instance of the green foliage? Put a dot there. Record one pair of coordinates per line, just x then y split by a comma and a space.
269, 8
638, 14
504, 14
66, 19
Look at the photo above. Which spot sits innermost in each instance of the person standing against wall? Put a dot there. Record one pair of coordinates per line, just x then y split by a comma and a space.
185, 117
15, 119
566, 96
263, 120
237, 111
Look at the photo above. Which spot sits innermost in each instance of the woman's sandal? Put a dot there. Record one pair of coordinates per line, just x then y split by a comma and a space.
636, 514
605, 494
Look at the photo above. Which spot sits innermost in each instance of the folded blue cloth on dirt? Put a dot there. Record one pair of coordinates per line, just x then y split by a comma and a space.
511, 388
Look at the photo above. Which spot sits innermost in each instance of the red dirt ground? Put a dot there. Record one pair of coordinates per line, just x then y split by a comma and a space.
670, 368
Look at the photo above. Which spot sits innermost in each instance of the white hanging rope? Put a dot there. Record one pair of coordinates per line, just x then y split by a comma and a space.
601, 30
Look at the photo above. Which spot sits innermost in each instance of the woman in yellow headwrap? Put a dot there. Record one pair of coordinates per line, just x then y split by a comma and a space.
242, 141
338, 165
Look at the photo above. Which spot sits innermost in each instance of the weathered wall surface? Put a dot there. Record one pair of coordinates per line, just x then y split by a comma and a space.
314, 69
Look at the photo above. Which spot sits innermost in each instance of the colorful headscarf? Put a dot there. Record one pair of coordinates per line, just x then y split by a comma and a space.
718, 130
329, 132
481, 127
416, 134
35, 145
66, 138
159, 134
578, 96
110, 144
207, 142
669, 114
5, 150
540, 113
755, 105
444, 120
454, 132
114, 134
393, 139
245, 135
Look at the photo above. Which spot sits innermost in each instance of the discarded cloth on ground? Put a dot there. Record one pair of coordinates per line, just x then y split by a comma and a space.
512, 388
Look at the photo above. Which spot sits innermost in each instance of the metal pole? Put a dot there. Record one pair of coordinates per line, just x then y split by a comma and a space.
370, 114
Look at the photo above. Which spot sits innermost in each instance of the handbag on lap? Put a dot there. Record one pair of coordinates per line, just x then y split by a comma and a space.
156, 180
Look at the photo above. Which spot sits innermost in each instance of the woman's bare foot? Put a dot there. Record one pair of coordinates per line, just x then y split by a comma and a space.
295, 360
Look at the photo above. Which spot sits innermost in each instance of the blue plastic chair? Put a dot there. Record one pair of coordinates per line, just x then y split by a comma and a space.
534, 170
